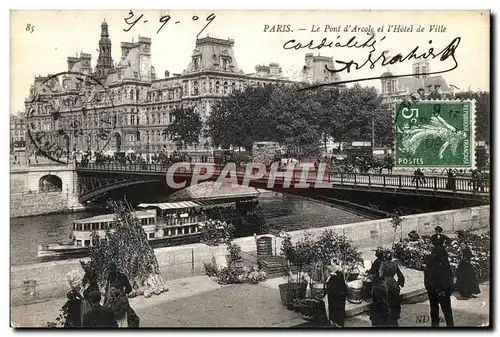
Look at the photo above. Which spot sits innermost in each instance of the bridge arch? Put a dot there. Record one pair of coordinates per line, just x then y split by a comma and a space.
50, 183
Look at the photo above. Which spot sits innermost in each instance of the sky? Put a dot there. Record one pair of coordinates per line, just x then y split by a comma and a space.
55, 35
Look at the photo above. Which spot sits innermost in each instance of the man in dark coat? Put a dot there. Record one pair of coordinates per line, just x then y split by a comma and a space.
438, 280
118, 277
98, 316
121, 280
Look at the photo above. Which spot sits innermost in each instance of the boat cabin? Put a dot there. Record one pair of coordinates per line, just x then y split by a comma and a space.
82, 229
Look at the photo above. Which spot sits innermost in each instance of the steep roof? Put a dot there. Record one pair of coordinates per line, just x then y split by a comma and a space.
413, 84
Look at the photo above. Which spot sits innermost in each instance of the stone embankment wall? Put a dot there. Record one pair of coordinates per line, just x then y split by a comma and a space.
38, 282
37, 203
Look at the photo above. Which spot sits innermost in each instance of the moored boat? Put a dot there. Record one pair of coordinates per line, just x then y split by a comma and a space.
163, 223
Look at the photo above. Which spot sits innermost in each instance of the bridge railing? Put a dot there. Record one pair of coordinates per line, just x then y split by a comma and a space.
456, 184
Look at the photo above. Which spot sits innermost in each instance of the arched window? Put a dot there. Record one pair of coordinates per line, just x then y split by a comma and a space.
388, 87
224, 92
195, 88
217, 87
233, 87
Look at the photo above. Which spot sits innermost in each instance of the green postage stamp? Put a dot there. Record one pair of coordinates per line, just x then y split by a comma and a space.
435, 134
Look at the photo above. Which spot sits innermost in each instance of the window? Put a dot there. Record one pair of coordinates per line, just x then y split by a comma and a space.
195, 88
225, 64
87, 243
424, 71
416, 71
224, 90
217, 87
86, 227
196, 63
151, 235
233, 87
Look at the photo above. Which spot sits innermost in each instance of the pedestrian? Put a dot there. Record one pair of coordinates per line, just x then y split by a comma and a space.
373, 272
72, 309
98, 316
388, 270
438, 280
336, 293
379, 308
416, 177
122, 283
117, 302
438, 238
89, 283
450, 183
466, 285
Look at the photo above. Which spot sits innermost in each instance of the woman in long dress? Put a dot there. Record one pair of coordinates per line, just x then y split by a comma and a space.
90, 285
388, 270
336, 293
466, 285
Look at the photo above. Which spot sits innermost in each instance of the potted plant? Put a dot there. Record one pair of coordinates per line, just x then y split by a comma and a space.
295, 286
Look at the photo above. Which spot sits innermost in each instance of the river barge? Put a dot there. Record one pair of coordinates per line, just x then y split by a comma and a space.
165, 224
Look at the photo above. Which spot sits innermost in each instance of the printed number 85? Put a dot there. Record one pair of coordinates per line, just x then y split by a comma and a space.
411, 114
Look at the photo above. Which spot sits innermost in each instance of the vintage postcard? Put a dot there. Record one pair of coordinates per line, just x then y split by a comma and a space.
275, 169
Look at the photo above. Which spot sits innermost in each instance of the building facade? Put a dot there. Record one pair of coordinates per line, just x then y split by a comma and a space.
139, 98
17, 132
401, 88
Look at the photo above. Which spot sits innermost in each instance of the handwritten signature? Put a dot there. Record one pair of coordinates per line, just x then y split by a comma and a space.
382, 59
163, 20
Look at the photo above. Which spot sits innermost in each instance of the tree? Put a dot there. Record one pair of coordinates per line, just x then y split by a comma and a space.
297, 120
327, 113
186, 127
384, 126
355, 109
482, 112
240, 118
127, 246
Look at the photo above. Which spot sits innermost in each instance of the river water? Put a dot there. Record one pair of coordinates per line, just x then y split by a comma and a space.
281, 213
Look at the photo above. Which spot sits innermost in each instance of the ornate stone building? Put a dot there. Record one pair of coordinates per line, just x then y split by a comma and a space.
140, 100
402, 87
17, 131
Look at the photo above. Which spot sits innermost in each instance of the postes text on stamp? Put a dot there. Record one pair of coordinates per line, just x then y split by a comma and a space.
435, 134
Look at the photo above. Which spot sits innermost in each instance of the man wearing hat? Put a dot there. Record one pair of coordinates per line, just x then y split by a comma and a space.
439, 239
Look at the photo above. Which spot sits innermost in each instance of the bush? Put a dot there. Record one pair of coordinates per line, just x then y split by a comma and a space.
217, 232
233, 273
210, 269
412, 254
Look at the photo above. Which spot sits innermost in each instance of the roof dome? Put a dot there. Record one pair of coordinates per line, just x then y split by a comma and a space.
387, 74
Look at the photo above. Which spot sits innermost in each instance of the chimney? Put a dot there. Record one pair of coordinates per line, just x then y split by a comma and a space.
167, 74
